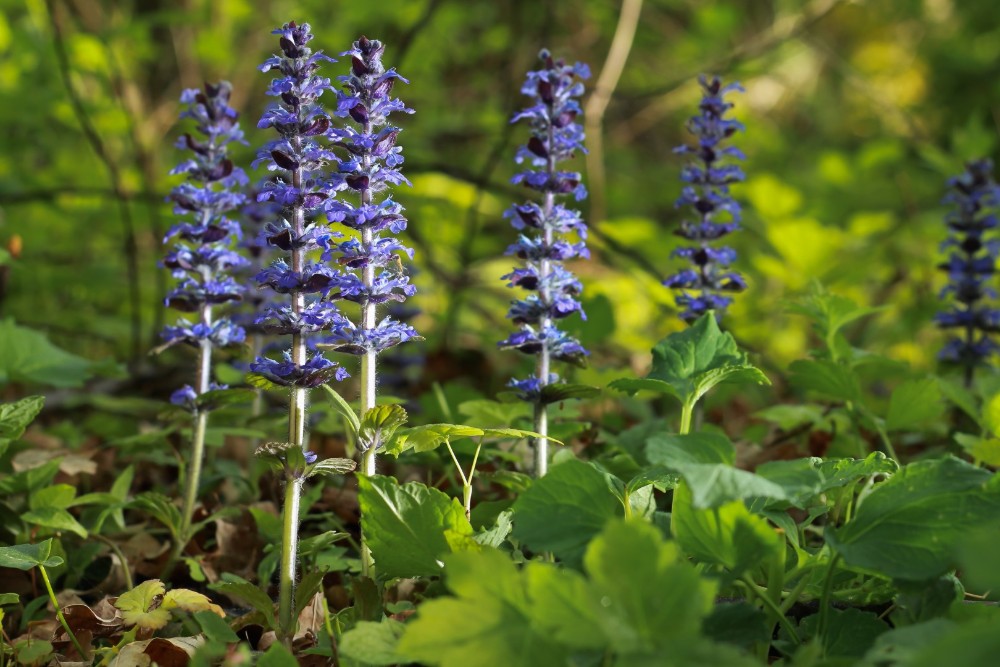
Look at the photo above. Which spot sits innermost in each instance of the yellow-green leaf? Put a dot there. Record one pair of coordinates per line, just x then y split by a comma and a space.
142, 606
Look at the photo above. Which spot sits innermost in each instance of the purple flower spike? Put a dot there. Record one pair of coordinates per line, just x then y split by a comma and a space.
971, 264
707, 197
201, 256
298, 189
555, 137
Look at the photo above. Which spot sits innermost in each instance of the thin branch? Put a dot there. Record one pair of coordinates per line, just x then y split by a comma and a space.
128, 227
597, 104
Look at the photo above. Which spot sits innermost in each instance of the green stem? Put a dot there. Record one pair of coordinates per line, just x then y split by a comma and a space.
824, 604
785, 622
686, 411
121, 557
289, 548
59, 614
793, 595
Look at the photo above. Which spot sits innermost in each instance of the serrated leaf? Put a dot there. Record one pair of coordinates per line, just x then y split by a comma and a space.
17, 416
250, 594
410, 527
379, 424
343, 408
558, 392
914, 403
430, 436
373, 643
826, 378
497, 535
331, 467
141, 606
189, 601
906, 527
27, 556
562, 511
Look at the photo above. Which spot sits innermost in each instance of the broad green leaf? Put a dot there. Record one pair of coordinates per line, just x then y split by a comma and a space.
844, 472
430, 436
141, 606
57, 496
737, 623
379, 424
558, 392
698, 358
716, 484
17, 416
54, 519
728, 535
787, 417
561, 512
830, 312
976, 554
251, 594
961, 397
217, 398
661, 477
9, 598
410, 527
632, 385
33, 651
497, 535
307, 588
801, 479
373, 643
28, 356
670, 449
901, 646
27, 556
973, 643
343, 408
486, 623
827, 378
849, 632
215, 628
991, 414
906, 527
914, 403
924, 600
651, 595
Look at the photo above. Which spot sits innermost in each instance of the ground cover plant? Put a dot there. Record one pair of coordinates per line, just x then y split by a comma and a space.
330, 460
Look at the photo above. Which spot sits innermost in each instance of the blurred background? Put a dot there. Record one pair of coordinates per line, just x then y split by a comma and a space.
856, 114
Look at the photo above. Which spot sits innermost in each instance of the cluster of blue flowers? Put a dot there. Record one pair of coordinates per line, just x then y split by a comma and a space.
555, 137
302, 188
202, 256
970, 266
709, 176
369, 166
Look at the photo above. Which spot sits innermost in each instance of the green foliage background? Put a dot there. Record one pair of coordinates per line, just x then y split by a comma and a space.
856, 114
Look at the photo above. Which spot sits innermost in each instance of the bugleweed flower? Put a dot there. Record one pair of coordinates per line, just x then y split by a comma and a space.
714, 213
971, 264
555, 137
299, 186
370, 256
201, 258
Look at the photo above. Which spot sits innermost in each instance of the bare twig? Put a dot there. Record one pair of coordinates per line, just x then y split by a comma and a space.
597, 104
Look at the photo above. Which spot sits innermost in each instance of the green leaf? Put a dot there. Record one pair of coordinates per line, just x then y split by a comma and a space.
801, 479
331, 467
343, 408
307, 587
672, 449
54, 519
826, 378
430, 436
9, 598
914, 403
160, 508
737, 623
698, 358
497, 535
57, 496
217, 398
906, 527
973, 643
410, 527
565, 509
487, 623
379, 424
830, 312
901, 646
16, 417
373, 643
33, 651
961, 397
141, 606
28, 356
838, 473
251, 594
27, 556
631, 386
976, 554
728, 535
556, 393
277, 656
849, 632
215, 628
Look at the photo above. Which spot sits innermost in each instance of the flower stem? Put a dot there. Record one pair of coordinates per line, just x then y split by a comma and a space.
686, 411
59, 614
289, 548
369, 370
